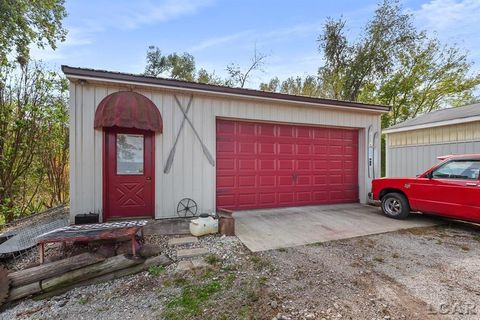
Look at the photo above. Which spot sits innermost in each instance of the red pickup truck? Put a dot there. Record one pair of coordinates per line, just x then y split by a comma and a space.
450, 188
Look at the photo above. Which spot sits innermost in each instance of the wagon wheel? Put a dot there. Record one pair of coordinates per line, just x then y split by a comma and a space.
187, 208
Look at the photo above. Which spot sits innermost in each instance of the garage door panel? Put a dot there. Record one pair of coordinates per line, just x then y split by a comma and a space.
285, 181
225, 201
303, 181
246, 181
225, 164
286, 148
286, 198
267, 199
304, 149
304, 164
225, 147
246, 129
262, 165
304, 197
265, 148
226, 181
320, 180
267, 164
267, 181
246, 164
286, 131
266, 130
285, 165
246, 148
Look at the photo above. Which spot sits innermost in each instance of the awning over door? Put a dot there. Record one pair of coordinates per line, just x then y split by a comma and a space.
127, 109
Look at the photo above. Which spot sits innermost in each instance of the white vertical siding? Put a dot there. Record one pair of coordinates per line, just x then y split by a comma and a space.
413, 152
191, 174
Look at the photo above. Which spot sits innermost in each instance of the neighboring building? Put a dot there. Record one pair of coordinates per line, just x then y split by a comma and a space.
260, 149
414, 145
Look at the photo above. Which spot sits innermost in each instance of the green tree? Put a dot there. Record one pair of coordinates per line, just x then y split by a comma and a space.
203, 76
174, 65
395, 64
182, 67
26, 22
308, 86
427, 77
29, 97
53, 155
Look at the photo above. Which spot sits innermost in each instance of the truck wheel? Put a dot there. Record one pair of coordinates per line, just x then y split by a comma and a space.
395, 205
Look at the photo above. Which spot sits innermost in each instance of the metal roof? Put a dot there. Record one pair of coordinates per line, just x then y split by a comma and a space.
440, 117
83, 73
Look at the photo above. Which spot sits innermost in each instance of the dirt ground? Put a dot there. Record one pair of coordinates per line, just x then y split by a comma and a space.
424, 273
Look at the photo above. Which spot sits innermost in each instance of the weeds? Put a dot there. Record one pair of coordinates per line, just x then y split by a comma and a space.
213, 259
83, 300
156, 270
188, 303
259, 263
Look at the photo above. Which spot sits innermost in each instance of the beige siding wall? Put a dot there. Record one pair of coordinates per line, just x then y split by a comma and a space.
191, 175
413, 152
447, 134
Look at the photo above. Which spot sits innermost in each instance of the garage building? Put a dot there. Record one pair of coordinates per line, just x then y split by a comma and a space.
414, 145
141, 144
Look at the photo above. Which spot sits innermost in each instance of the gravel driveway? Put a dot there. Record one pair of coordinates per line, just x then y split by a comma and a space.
423, 273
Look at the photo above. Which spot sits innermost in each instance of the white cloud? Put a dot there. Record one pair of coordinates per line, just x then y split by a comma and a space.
215, 41
449, 15
149, 12
453, 22
252, 37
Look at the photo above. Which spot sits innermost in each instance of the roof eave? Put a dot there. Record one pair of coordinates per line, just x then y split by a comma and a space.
432, 125
121, 78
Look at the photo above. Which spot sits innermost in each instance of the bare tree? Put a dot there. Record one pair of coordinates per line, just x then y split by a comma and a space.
239, 76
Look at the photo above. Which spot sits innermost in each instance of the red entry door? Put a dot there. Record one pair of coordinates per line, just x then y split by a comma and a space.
129, 173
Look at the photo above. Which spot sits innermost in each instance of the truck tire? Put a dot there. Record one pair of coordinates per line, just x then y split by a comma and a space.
395, 205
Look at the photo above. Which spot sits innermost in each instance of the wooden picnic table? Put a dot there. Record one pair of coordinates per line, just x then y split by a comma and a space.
93, 232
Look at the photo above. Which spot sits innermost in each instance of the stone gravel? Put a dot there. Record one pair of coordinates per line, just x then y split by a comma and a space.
412, 274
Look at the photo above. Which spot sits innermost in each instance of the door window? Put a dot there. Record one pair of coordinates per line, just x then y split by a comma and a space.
130, 154
461, 169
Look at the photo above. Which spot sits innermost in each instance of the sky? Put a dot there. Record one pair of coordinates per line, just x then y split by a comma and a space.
115, 34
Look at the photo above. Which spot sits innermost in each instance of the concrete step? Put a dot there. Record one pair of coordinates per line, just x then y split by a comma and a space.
191, 253
188, 265
182, 240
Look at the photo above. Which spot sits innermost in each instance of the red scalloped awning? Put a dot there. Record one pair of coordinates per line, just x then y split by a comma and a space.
127, 109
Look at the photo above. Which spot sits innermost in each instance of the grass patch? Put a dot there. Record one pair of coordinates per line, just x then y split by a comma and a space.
180, 281
83, 300
282, 250
229, 268
477, 238
188, 303
316, 244
259, 263
156, 270
379, 259
212, 259
419, 231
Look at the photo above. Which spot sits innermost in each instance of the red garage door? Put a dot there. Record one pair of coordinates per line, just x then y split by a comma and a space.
264, 165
